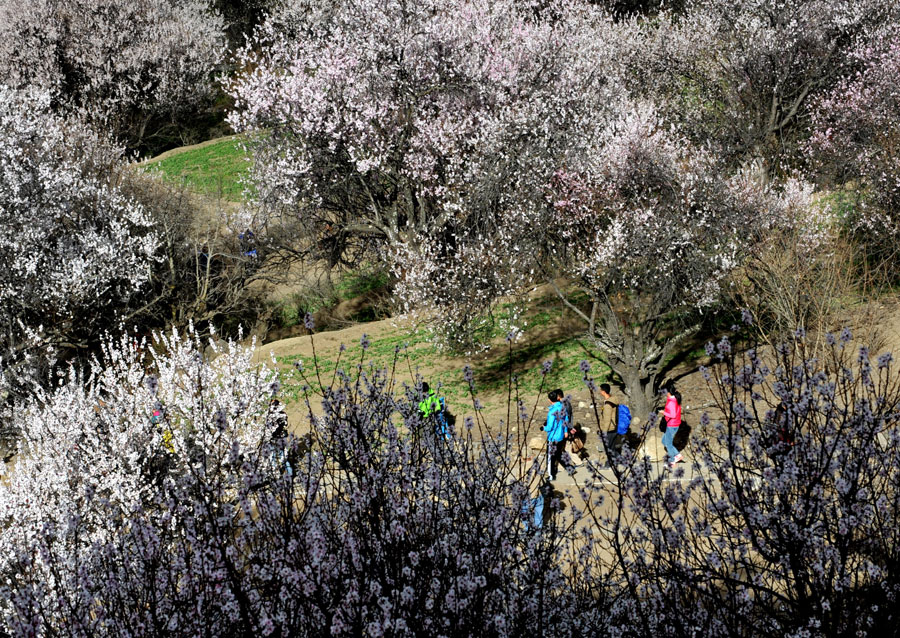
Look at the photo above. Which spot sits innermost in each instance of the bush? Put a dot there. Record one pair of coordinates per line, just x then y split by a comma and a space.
164, 504
76, 246
382, 528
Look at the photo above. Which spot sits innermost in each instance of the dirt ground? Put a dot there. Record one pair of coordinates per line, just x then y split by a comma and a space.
495, 403
883, 333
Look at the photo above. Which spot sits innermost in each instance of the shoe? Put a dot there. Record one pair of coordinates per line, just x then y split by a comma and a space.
553, 478
678, 457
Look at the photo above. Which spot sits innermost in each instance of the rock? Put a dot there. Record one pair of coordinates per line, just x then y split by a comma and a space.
536, 443
582, 404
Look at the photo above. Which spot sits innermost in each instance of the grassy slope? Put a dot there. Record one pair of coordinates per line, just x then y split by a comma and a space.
214, 168
551, 335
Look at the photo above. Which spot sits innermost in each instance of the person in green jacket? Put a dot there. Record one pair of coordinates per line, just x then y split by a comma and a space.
430, 404
431, 408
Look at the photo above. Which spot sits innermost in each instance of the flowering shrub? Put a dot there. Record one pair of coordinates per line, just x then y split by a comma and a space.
783, 520
151, 497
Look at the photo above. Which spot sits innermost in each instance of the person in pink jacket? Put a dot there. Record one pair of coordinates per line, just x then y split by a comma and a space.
672, 415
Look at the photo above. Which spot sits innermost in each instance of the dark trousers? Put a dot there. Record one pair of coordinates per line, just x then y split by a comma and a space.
554, 454
614, 442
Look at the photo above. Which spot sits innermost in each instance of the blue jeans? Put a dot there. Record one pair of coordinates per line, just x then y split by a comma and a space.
667, 439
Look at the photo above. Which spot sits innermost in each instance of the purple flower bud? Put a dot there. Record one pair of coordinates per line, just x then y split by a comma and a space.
585, 366
846, 335
364, 342
747, 317
308, 322
724, 346
546, 366
220, 419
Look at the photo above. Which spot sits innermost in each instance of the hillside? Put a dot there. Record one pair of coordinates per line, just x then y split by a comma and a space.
214, 168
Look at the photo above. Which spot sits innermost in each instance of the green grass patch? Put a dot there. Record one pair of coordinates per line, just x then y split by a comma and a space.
216, 169
411, 354
357, 283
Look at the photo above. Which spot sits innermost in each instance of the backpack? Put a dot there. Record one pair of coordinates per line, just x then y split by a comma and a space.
623, 419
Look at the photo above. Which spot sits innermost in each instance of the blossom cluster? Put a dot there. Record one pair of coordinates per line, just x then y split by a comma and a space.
117, 62
74, 245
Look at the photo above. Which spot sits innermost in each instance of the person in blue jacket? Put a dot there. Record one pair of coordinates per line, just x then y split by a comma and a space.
557, 427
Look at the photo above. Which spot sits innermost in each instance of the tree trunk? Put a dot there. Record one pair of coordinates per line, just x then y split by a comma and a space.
639, 388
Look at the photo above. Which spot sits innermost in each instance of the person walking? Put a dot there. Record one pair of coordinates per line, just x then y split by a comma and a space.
609, 419
431, 409
672, 415
567, 403
430, 404
557, 428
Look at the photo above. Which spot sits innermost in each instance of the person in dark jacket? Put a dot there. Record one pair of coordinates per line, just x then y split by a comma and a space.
609, 416
277, 421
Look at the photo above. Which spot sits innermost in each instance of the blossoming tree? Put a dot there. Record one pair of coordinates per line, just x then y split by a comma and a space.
747, 73
74, 247
122, 64
385, 125
855, 135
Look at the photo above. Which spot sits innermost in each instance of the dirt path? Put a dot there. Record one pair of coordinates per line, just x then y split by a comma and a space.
698, 398
696, 394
